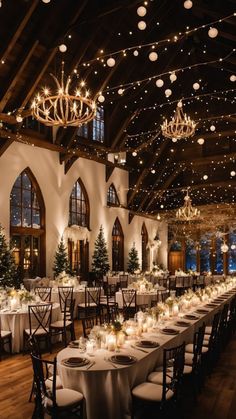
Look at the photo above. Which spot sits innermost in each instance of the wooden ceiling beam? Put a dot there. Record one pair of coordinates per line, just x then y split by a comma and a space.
212, 184
10, 45
17, 72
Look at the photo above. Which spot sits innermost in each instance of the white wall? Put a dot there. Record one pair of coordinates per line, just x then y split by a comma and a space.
56, 188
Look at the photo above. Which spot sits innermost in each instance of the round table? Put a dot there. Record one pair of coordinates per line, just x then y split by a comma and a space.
17, 320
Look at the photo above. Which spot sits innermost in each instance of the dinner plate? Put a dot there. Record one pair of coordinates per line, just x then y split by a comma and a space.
169, 331
191, 317
75, 362
202, 311
182, 324
147, 344
74, 344
123, 359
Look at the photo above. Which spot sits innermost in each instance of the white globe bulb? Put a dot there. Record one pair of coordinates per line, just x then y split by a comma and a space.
141, 11
168, 92
142, 25
101, 98
134, 153
233, 246
173, 77
232, 78
174, 140
188, 4
232, 173
224, 248
159, 83
135, 53
120, 91
19, 118
213, 32
201, 141
196, 86
153, 56
111, 62
153, 171
205, 177
62, 48
212, 128
46, 1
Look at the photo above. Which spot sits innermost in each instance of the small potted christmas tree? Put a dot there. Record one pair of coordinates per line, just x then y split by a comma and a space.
133, 260
100, 263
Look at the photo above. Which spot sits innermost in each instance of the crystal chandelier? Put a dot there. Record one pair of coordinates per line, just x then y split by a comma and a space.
63, 108
187, 212
180, 126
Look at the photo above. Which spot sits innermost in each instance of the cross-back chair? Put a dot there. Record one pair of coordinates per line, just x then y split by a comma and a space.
44, 293
39, 316
129, 298
55, 401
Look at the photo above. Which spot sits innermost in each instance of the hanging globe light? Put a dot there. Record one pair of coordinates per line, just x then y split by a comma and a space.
142, 25
159, 83
224, 247
141, 11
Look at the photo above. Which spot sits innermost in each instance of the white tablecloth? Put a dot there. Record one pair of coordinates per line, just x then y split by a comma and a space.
18, 320
142, 298
107, 390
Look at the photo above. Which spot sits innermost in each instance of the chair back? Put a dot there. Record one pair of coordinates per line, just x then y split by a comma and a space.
214, 330
40, 316
40, 371
92, 296
65, 295
88, 323
173, 358
197, 346
129, 297
123, 279
44, 293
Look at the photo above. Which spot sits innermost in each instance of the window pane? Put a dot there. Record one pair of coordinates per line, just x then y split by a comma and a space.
205, 254
16, 197
191, 256
78, 206
15, 216
232, 253
36, 219
26, 198
219, 256
26, 213
26, 184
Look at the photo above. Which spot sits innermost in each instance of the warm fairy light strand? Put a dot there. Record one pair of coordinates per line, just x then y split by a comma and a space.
174, 39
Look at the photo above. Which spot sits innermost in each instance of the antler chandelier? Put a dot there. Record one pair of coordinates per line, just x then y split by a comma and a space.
187, 212
180, 126
63, 108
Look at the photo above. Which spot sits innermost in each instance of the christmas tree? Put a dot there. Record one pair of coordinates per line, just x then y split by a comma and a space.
133, 261
61, 263
7, 266
100, 264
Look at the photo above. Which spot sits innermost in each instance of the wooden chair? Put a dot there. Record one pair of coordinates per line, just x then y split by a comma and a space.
129, 298
67, 323
123, 280
88, 323
56, 401
91, 305
44, 293
5, 339
193, 368
167, 389
211, 340
40, 316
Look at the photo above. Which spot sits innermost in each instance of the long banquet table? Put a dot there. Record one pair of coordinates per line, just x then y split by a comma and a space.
17, 320
107, 390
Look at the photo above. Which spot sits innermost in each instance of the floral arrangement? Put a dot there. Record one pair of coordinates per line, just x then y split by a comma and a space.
141, 285
157, 310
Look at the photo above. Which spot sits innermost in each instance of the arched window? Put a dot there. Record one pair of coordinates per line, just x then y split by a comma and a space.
98, 126
117, 247
79, 205
27, 225
144, 235
112, 198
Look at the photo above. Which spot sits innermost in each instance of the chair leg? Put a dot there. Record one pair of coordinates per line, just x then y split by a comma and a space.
10, 345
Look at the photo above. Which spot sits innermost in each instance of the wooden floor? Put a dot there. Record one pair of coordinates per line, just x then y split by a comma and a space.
217, 401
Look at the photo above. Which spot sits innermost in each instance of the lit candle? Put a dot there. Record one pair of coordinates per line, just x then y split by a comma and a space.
14, 303
111, 342
90, 347
175, 310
